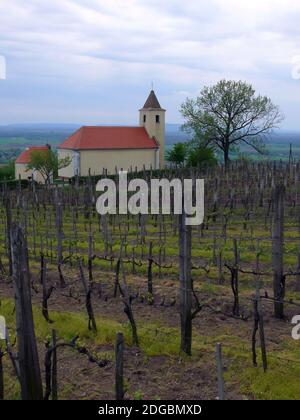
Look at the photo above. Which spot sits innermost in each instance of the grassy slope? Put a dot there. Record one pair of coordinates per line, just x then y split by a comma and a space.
157, 338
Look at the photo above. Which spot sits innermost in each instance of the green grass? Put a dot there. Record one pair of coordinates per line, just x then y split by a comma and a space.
156, 339
280, 382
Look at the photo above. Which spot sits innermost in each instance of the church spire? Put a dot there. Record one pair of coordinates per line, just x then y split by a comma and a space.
152, 117
152, 101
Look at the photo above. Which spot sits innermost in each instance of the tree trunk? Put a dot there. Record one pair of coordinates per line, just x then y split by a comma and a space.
226, 156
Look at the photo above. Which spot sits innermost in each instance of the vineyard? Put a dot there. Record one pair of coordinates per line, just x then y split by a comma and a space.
145, 307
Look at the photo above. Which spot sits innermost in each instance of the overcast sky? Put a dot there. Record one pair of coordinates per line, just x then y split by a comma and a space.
93, 61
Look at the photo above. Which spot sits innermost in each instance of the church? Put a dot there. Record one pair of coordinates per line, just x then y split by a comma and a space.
101, 149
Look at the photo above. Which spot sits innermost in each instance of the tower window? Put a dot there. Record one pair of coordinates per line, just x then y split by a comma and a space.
144, 118
157, 119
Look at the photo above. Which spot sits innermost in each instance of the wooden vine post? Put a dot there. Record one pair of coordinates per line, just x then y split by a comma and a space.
54, 366
127, 300
220, 371
185, 280
28, 358
150, 275
259, 325
298, 263
235, 280
88, 298
46, 292
119, 380
58, 225
8, 230
1, 374
277, 251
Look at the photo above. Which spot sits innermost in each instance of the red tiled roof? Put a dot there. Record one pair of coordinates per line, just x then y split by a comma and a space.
25, 156
99, 138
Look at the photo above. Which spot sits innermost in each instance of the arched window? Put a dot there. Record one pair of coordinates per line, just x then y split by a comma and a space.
157, 119
144, 118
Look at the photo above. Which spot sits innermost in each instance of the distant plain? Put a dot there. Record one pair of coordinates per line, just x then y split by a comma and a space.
15, 138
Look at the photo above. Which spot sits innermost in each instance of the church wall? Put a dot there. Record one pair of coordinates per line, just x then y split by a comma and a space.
97, 160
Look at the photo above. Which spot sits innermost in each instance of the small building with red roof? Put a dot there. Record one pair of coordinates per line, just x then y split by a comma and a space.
102, 149
21, 165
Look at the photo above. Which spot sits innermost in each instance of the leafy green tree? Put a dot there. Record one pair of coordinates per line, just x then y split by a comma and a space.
7, 171
177, 154
47, 163
231, 113
192, 153
201, 155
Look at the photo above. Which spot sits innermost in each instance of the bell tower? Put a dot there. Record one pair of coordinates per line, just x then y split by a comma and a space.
152, 117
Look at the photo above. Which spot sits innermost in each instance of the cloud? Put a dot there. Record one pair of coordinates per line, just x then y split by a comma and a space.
2, 68
68, 49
